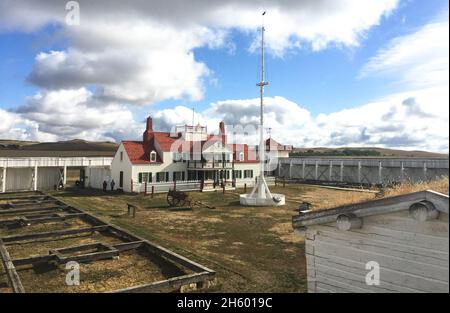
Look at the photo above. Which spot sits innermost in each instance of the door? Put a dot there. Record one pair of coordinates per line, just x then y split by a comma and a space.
121, 179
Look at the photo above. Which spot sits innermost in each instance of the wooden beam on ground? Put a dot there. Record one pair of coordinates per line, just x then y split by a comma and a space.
170, 284
13, 277
18, 197
17, 238
36, 209
126, 246
34, 259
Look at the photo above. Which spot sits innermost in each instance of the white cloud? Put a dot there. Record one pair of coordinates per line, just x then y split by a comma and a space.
417, 60
68, 114
142, 52
404, 121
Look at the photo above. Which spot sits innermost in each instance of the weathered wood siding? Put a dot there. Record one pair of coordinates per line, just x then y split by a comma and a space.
413, 256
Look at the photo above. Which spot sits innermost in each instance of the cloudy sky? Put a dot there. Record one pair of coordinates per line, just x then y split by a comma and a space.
341, 72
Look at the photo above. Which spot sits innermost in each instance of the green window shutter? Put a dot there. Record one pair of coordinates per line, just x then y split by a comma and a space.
183, 175
167, 176
150, 177
140, 177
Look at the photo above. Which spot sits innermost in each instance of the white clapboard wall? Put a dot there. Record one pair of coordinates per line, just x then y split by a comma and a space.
413, 255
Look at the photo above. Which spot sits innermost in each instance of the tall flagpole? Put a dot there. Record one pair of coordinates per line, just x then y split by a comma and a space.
261, 85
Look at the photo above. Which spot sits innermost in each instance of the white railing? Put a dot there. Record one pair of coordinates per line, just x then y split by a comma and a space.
190, 185
55, 162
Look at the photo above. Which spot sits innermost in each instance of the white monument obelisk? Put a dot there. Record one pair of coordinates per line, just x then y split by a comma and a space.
261, 195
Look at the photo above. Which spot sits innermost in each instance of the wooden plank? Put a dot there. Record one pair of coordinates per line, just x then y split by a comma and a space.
434, 257
402, 221
169, 284
17, 238
403, 282
35, 209
34, 259
327, 250
8, 265
325, 273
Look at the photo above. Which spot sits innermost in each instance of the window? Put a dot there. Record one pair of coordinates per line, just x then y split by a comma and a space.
176, 157
162, 177
178, 176
241, 156
237, 174
186, 156
153, 156
248, 173
145, 177
121, 156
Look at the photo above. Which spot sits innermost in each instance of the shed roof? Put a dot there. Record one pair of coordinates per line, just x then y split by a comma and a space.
373, 207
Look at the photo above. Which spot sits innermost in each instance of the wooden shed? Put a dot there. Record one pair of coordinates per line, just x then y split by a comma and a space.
395, 244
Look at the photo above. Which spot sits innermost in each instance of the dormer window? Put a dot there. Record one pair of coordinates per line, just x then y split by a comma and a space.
241, 156
153, 156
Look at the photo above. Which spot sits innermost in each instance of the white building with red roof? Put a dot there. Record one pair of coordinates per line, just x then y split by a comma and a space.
187, 154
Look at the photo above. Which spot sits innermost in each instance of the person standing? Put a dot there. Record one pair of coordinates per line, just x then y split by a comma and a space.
112, 185
105, 185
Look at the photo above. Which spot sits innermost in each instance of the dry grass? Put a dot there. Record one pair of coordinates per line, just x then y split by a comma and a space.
99, 276
439, 185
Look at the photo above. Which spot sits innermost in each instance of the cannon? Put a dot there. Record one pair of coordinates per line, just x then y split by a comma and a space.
178, 198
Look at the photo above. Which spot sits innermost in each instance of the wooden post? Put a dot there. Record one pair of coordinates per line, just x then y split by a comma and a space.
35, 177
330, 173
4, 180
402, 172
316, 172
380, 173
303, 169
202, 184
65, 175
174, 185
223, 188
153, 190
145, 188
423, 211
245, 187
348, 221
359, 172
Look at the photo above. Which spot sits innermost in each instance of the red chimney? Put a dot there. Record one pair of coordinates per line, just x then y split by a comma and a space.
148, 134
222, 133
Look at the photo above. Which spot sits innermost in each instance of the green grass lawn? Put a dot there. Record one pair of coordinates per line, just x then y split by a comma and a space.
251, 249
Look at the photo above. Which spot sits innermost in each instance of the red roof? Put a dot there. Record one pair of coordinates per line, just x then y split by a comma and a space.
250, 155
273, 145
136, 153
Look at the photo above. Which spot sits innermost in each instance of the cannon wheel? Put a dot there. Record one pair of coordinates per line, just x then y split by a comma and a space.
175, 199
